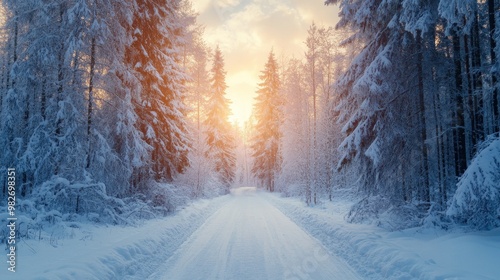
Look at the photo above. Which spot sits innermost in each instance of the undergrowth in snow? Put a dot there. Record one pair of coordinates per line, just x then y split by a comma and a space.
61, 206
85, 251
477, 199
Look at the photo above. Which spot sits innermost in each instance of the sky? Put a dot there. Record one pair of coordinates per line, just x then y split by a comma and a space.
247, 30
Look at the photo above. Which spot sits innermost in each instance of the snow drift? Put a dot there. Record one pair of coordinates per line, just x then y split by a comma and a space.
477, 199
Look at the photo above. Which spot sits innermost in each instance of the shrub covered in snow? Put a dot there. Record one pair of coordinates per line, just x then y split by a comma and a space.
60, 206
477, 199
387, 214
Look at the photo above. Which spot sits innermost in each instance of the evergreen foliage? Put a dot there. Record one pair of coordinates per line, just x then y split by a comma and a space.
266, 143
219, 137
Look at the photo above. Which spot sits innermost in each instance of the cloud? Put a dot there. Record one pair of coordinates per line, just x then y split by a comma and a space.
246, 31
316, 11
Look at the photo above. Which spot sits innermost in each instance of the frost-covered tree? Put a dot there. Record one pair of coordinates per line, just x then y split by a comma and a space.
155, 55
219, 136
86, 85
313, 78
477, 199
198, 90
266, 143
295, 171
320, 70
416, 101
309, 137
384, 133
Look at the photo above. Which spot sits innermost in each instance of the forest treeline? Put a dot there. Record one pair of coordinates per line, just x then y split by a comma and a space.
400, 102
117, 108
101, 110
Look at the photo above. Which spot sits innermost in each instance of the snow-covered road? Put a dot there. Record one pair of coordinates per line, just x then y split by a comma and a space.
249, 238
255, 235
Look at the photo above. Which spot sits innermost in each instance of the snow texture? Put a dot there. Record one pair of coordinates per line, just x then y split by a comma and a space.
112, 252
251, 234
477, 199
410, 254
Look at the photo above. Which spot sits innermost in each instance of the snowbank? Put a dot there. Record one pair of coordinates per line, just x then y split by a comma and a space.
411, 254
114, 252
477, 199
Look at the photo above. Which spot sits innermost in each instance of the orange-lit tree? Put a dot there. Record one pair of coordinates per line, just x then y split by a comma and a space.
198, 89
156, 57
218, 129
268, 113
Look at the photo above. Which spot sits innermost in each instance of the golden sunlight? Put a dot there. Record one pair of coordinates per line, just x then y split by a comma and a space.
247, 30
240, 92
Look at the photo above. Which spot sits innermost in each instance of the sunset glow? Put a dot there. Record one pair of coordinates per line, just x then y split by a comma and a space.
250, 139
247, 30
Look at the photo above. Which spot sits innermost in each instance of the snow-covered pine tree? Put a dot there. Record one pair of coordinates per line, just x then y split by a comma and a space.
384, 131
266, 143
198, 175
73, 94
313, 74
155, 55
219, 136
477, 199
68, 96
413, 117
116, 146
45, 86
295, 171
361, 88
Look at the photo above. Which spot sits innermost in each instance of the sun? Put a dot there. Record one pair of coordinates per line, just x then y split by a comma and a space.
241, 108
241, 94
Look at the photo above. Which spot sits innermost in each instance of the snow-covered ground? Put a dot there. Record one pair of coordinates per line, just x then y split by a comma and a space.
251, 239
112, 252
251, 234
421, 253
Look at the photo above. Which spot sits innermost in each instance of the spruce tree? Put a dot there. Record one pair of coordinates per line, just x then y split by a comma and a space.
219, 138
268, 113
155, 54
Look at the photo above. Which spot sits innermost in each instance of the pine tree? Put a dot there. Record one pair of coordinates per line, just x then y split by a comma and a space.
266, 146
312, 74
156, 56
477, 199
218, 129
295, 171
198, 175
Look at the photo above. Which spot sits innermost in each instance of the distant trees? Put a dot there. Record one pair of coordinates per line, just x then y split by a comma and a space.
266, 143
294, 177
212, 157
307, 129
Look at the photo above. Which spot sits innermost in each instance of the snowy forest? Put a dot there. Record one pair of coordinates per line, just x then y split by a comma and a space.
399, 101
118, 109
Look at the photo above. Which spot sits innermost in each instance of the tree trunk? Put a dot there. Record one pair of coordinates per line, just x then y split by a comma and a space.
60, 89
467, 97
478, 133
496, 92
91, 101
458, 129
423, 129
